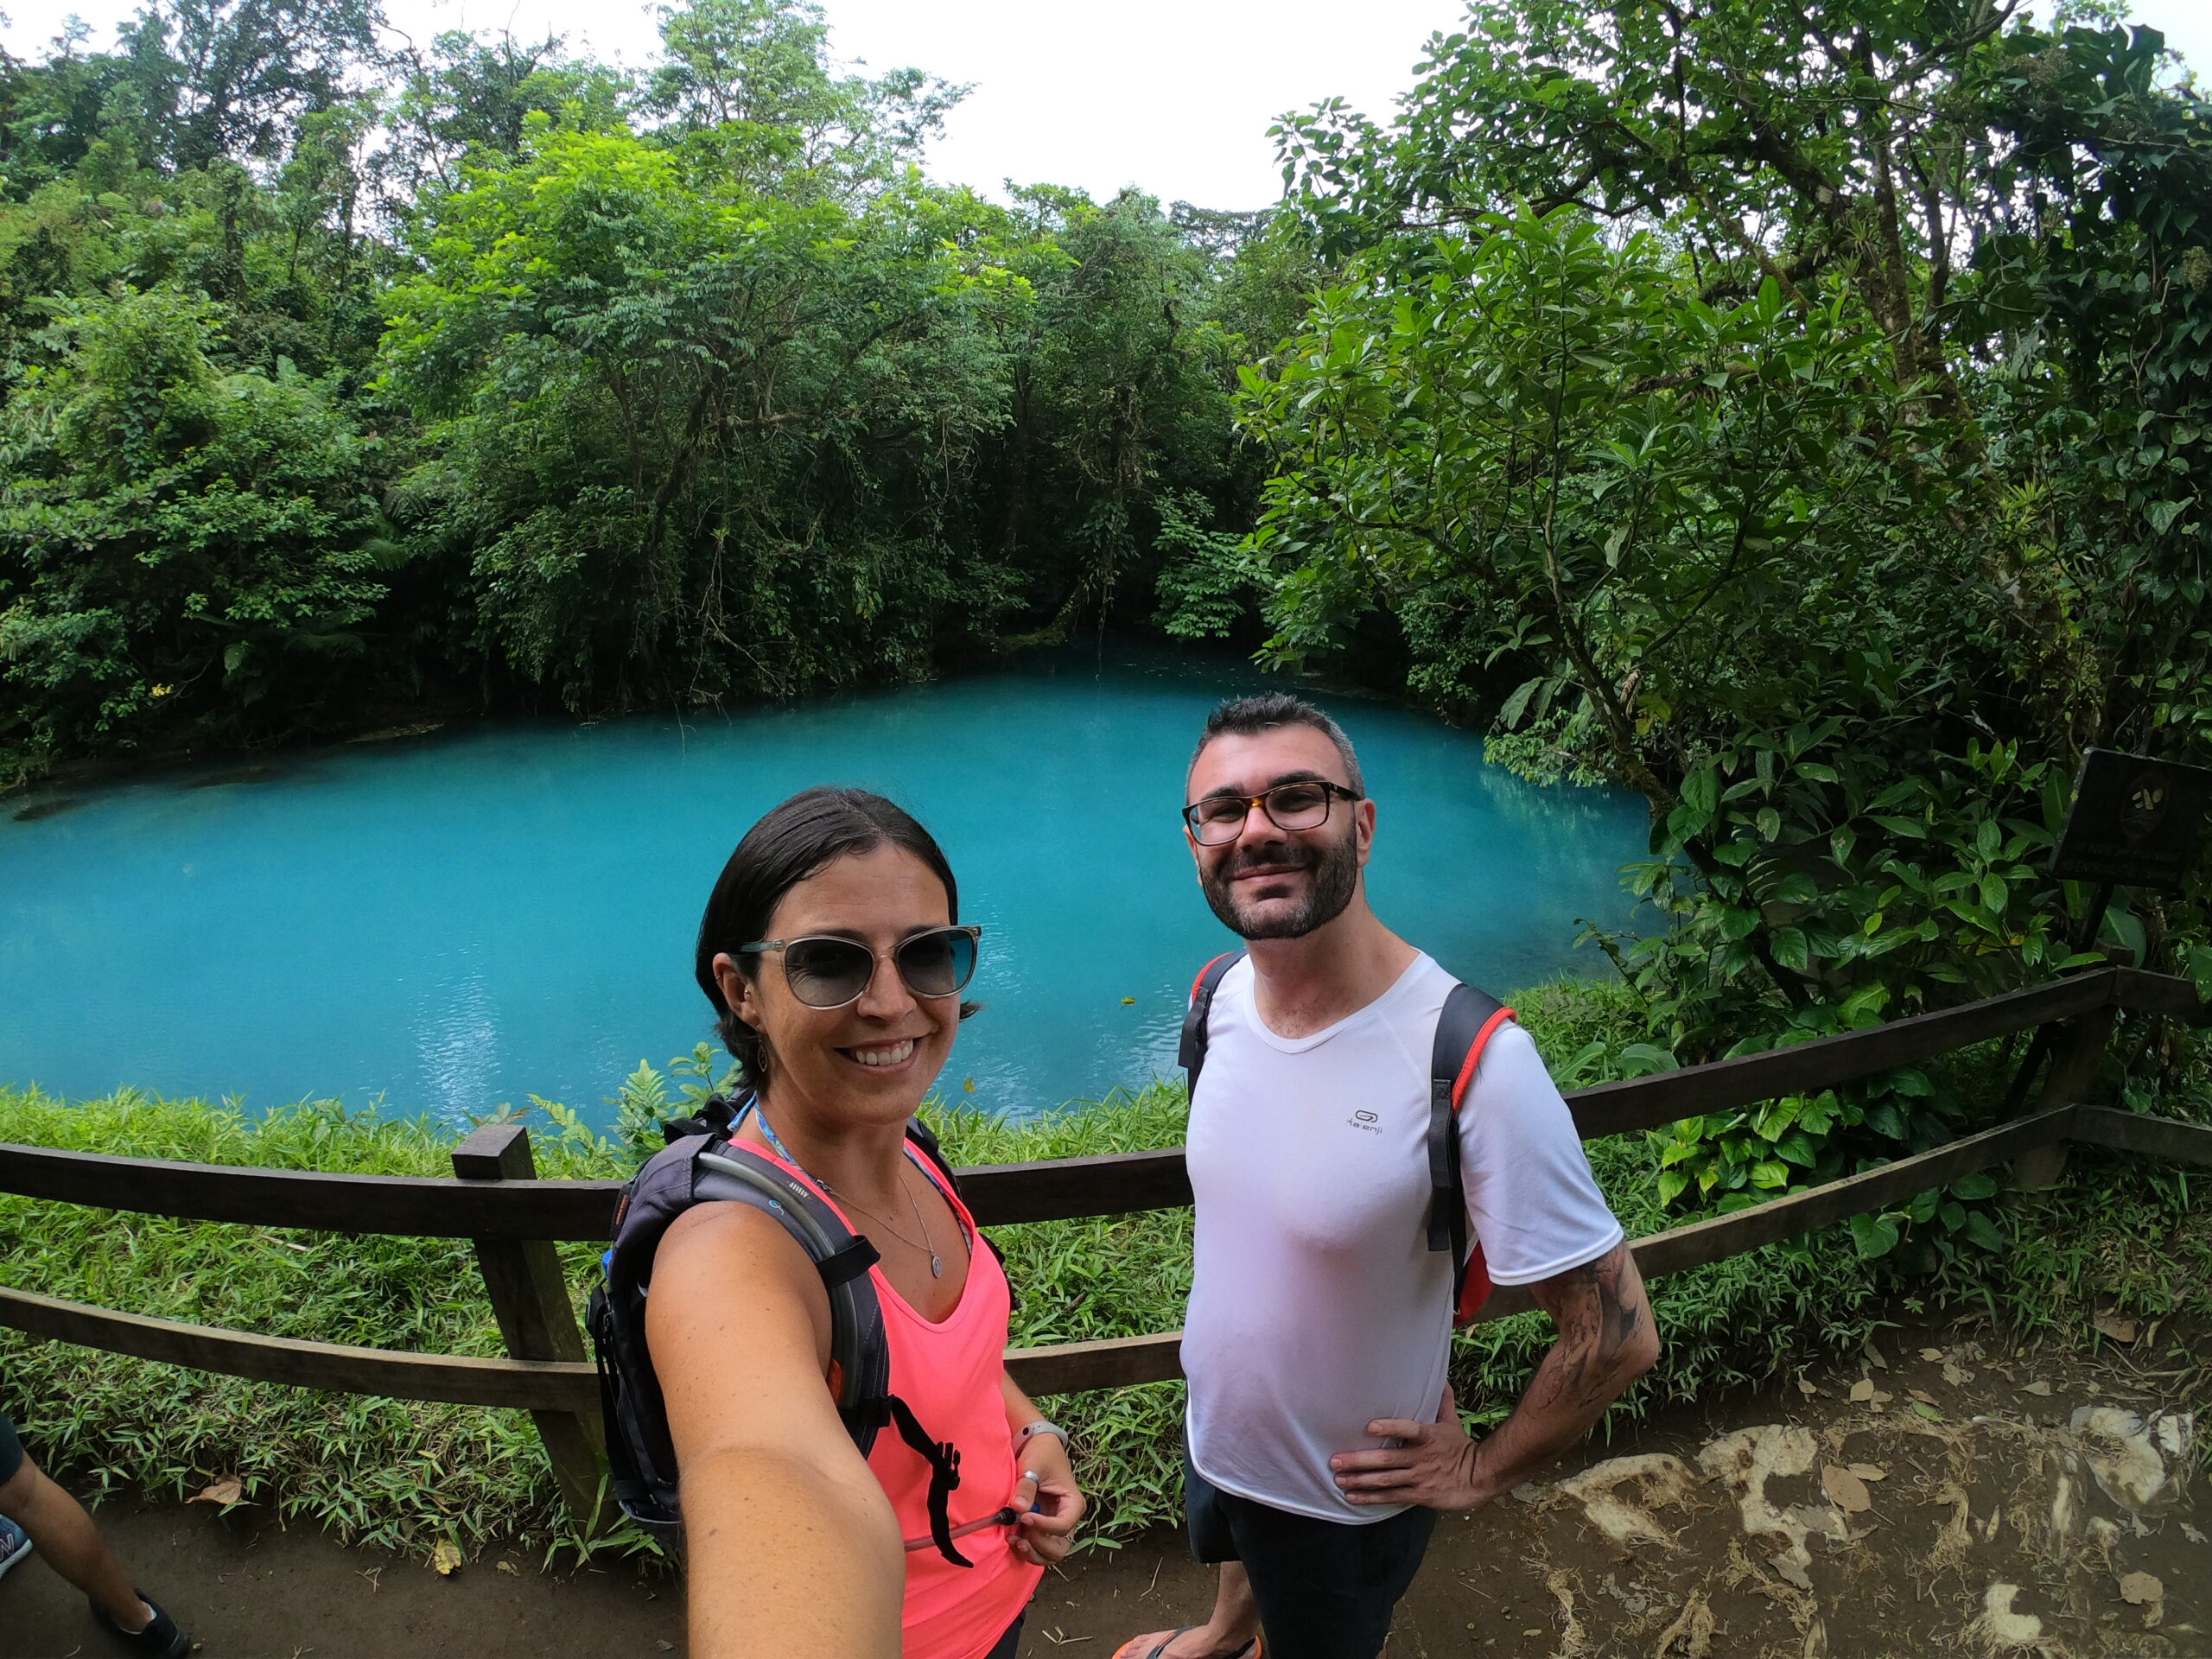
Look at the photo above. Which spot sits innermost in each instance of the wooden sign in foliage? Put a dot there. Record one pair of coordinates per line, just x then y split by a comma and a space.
2134, 821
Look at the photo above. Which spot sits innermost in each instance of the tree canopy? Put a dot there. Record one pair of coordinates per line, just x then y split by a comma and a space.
340, 376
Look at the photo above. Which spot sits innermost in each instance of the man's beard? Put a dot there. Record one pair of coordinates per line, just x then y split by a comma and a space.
1333, 876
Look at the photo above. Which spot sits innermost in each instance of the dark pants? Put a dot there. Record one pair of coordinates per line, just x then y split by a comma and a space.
1008, 1645
11, 1451
1325, 1588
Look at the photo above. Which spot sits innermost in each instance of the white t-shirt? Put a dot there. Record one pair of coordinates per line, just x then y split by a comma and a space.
1316, 1304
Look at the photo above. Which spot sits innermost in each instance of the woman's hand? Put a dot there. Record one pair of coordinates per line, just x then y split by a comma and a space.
1044, 1535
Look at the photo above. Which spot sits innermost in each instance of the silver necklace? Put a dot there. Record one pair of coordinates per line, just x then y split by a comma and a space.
926, 1245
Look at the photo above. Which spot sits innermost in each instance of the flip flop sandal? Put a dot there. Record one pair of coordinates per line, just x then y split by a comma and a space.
1251, 1650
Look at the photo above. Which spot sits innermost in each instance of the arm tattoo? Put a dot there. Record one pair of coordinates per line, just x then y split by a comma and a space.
1597, 1323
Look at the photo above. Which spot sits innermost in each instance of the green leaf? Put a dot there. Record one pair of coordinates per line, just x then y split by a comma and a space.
1980, 1230
1797, 1146
1973, 1187
1874, 1236
1863, 1006
1509, 715
1790, 950
1640, 1060
1701, 798
1926, 1410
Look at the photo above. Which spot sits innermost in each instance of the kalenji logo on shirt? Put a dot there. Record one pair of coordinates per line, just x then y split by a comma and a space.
1366, 1121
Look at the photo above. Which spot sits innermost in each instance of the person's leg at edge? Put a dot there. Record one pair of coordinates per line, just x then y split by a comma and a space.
1327, 1589
1236, 1617
66, 1537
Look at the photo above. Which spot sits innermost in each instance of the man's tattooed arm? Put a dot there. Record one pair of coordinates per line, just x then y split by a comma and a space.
1606, 1340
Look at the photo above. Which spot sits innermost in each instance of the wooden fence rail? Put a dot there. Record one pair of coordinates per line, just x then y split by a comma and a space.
513, 1218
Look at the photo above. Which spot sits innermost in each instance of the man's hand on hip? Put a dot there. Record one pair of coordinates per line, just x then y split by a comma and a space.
1434, 1464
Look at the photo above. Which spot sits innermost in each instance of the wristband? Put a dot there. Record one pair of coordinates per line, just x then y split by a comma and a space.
1043, 1426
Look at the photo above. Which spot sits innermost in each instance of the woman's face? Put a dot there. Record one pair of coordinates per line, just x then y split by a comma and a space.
874, 1059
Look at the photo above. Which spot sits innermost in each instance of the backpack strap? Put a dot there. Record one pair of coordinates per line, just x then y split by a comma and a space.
1464, 1029
924, 1139
731, 1170
1191, 1054
943, 1460
717, 1116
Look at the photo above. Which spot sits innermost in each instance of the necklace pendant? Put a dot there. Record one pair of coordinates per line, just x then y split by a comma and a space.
937, 1265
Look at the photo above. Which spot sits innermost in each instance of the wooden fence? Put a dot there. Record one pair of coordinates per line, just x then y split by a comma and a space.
514, 1219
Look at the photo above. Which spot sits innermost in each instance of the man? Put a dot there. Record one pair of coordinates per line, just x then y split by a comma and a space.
1322, 1437
35, 1511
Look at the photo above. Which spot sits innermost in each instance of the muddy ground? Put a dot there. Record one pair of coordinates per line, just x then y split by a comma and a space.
1944, 1493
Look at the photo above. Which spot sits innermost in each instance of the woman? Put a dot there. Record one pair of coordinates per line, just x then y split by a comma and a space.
829, 952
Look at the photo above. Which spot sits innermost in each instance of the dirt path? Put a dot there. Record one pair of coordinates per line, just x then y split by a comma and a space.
1971, 1500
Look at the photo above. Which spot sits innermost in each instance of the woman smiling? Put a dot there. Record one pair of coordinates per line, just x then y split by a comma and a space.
832, 953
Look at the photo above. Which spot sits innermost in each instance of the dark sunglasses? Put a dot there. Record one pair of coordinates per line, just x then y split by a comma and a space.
827, 972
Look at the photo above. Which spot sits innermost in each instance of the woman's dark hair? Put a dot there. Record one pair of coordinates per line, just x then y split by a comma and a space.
788, 843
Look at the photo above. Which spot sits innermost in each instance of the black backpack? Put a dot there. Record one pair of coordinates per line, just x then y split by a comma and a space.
1463, 1029
700, 1165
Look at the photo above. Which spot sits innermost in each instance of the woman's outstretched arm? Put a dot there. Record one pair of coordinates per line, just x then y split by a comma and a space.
794, 1552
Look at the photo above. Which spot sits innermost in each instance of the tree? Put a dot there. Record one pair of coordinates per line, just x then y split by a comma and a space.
1795, 415
181, 551
695, 440
466, 102
233, 77
750, 81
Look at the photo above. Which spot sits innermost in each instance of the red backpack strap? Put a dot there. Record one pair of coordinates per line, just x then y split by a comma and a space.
1464, 1029
1191, 1055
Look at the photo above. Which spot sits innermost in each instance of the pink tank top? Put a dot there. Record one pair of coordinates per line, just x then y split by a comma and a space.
948, 1374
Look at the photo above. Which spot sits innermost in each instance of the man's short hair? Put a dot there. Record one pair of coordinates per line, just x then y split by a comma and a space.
1250, 716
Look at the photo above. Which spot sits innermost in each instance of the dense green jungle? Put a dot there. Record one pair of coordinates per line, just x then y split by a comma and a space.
1798, 412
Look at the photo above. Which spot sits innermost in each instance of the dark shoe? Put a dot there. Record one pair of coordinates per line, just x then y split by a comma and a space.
161, 1638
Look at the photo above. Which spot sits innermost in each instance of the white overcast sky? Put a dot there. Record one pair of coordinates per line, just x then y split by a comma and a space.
1172, 96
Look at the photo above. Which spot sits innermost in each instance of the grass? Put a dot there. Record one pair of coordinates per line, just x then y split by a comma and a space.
2124, 1234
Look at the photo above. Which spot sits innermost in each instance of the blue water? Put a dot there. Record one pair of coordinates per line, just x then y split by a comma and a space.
448, 923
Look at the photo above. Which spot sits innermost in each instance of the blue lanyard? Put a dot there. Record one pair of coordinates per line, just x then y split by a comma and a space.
767, 1132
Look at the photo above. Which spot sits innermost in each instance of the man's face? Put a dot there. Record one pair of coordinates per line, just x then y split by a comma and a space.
1269, 882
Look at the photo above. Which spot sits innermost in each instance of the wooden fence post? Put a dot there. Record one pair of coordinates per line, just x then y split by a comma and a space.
2074, 1063
530, 1298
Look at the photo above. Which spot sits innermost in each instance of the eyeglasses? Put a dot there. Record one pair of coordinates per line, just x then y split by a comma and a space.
1219, 819
827, 972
